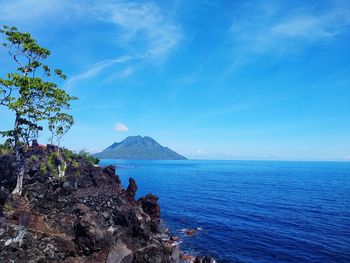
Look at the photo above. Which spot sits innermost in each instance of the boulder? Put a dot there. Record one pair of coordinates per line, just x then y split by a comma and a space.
150, 205
120, 253
90, 237
206, 259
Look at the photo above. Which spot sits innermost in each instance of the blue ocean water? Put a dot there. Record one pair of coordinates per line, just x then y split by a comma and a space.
252, 211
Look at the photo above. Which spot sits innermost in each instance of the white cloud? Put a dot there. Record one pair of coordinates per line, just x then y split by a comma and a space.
141, 23
277, 31
124, 73
121, 127
142, 27
302, 27
201, 152
96, 69
143, 30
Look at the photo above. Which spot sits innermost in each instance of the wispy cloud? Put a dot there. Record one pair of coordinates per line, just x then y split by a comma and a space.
124, 73
201, 152
141, 23
272, 29
18, 11
121, 127
143, 27
96, 69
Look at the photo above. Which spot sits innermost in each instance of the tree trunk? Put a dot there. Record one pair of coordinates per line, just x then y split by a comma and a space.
19, 159
61, 170
19, 173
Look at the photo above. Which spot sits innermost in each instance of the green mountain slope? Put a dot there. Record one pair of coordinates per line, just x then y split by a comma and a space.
139, 148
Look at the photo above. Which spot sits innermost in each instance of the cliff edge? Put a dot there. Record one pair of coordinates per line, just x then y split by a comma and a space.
85, 216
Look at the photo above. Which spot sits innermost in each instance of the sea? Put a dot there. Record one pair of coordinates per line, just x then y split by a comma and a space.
251, 211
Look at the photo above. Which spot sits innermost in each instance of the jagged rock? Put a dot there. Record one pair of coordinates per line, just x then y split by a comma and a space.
89, 236
150, 205
52, 148
131, 190
35, 144
119, 253
7, 174
109, 170
85, 216
151, 253
175, 253
204, 260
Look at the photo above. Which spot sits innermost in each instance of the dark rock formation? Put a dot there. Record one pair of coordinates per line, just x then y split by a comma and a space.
131, 190
83, 217
204, 260
149, 204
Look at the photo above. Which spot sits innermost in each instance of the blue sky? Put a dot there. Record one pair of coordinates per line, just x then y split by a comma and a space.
209, 79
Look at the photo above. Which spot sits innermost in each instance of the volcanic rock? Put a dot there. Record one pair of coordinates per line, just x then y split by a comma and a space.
85, 216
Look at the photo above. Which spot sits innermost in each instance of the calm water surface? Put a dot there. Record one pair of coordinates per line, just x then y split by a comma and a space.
252, 211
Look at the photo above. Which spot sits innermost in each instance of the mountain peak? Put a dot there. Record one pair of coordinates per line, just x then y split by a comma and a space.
139, 148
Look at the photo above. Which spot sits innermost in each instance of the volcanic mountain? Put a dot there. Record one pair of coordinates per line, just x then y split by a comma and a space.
139, 148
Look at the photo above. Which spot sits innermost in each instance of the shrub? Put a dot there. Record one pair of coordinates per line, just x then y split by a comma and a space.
53, 162
33, 158
43, 168
68, 154
8, 208
89, 157
75, 164
6, 149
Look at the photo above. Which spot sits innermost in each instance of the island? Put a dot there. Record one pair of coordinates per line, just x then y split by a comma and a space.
139, 148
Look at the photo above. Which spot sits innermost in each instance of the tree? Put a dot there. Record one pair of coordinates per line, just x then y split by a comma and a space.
59, 125
31, 96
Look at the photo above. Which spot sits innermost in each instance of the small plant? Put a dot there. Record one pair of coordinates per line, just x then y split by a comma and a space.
68, 154
8, 209
53, 162
89, 158
43, 168
75, 164
33, 158
6, 149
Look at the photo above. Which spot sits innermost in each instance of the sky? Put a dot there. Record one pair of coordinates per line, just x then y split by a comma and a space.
209, 79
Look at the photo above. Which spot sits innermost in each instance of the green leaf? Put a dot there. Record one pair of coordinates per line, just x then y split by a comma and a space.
34, 100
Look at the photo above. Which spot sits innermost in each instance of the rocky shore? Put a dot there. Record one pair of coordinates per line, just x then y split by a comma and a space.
85, 216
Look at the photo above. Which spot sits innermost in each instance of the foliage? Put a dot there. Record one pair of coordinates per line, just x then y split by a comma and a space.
8, 208
33, 158
6, 149
30, 93
89, 158
75, 164
53, 159
53, 162
68, 154
43, 168
33, 99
